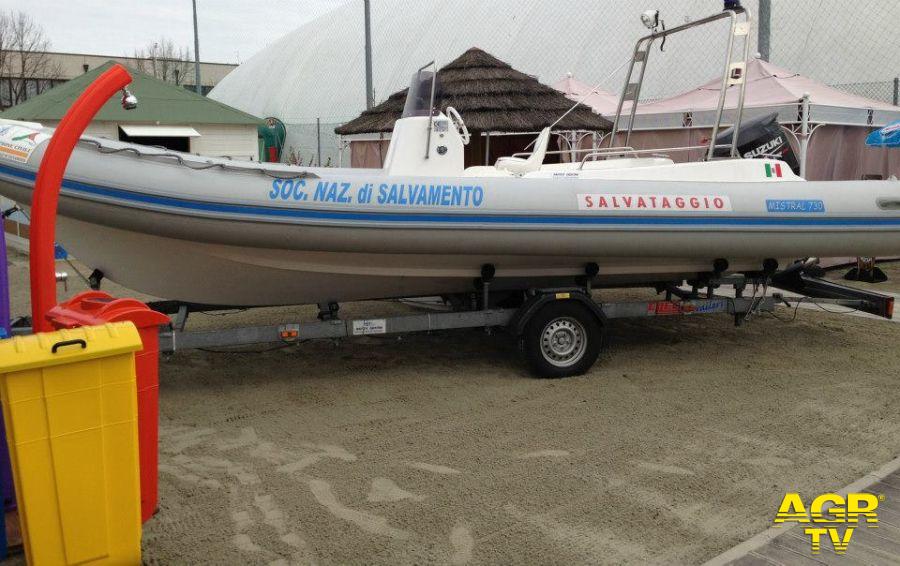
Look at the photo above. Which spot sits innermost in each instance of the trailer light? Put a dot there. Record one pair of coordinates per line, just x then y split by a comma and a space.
289, 332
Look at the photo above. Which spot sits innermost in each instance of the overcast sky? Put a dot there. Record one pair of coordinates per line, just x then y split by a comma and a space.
230, 30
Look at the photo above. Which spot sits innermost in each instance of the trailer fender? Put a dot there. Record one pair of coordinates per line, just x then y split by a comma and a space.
536, 303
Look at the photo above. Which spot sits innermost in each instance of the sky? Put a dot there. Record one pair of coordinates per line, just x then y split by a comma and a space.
231, 31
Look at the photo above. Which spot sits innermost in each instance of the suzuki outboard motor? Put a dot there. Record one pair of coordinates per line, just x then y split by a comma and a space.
760, 138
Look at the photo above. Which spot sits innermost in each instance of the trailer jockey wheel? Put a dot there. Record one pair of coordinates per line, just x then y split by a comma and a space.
561, 340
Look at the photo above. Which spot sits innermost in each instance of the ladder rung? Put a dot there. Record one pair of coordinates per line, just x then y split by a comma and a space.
742, 29
631, 91
737, 74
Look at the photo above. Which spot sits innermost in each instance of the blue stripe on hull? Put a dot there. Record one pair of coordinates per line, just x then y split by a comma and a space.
461, 218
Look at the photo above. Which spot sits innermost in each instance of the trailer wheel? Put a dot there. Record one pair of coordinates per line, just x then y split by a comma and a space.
561, 340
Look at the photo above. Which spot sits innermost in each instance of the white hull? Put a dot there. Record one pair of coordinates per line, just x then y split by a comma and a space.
227, 234
245, 276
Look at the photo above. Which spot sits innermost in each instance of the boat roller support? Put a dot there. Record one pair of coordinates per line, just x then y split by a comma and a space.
488, 271
95, 279
591, 270
328, 311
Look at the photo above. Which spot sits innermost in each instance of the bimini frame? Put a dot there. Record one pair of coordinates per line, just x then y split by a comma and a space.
735, 75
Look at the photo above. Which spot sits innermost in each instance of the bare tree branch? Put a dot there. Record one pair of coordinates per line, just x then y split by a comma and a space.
24, 57
166, 62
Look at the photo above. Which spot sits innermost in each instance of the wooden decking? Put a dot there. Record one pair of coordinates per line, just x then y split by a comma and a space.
788, 546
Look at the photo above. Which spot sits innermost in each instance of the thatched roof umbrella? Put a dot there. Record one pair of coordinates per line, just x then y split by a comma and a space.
491, 96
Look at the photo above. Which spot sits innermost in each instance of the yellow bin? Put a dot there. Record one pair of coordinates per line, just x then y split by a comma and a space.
70, 407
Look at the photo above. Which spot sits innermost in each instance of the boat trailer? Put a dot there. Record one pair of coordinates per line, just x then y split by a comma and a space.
560, 330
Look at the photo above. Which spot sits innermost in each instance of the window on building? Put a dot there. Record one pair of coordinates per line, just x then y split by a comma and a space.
5, 93
31, 88
179, 143
204, 90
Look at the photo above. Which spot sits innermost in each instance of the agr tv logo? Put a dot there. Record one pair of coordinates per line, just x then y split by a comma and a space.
828, 511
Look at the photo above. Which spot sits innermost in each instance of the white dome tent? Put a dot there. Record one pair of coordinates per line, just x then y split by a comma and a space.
318, 71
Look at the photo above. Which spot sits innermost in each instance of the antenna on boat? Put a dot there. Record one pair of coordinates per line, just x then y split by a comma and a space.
593, 90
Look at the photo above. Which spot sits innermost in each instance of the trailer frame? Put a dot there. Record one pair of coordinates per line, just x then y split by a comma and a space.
549, 322
698, 298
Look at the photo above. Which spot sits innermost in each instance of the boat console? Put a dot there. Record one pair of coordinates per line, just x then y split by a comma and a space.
425, 142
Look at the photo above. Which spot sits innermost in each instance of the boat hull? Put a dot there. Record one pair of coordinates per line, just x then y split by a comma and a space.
220, 274
214, 232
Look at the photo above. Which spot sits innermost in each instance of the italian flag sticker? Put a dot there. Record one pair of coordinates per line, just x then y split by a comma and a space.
773, 170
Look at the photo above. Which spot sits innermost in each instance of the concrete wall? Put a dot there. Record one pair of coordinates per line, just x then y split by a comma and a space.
219, 140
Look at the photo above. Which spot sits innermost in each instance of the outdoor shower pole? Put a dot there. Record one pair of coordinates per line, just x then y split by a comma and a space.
370, 95
198, 86
45, 197
764, 42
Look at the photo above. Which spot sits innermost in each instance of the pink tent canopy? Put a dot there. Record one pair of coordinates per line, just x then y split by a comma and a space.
767, 85
828, 133
598, 100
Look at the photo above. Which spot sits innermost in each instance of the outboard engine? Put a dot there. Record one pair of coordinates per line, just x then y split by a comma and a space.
760, 138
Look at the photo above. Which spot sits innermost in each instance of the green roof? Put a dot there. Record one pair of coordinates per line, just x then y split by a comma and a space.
158, 101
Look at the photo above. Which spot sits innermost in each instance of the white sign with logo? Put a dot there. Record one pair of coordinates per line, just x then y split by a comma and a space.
372, 326
18, 142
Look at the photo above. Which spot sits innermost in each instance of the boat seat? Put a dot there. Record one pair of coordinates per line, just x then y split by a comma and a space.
520, 166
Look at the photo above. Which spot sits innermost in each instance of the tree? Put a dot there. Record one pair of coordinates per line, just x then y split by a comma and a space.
166, 62
24, 59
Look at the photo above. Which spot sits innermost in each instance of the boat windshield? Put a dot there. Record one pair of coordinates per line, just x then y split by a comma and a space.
418, 101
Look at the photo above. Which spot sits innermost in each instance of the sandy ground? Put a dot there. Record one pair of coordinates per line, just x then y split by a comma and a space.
439, 449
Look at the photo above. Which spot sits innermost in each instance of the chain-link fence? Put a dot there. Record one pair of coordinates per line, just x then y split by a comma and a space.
315, 144
883, 91
851, 46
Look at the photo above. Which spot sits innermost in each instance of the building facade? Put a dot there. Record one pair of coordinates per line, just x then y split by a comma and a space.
59, 68
167, 115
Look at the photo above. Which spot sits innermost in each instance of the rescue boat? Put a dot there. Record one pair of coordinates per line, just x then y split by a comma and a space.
221, 232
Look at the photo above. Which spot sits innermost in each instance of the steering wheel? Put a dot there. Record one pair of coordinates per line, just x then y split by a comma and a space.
460, 125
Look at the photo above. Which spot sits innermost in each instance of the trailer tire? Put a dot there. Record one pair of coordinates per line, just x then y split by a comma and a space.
562, 339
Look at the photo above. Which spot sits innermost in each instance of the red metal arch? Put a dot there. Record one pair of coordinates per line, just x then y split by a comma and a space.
46, 189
